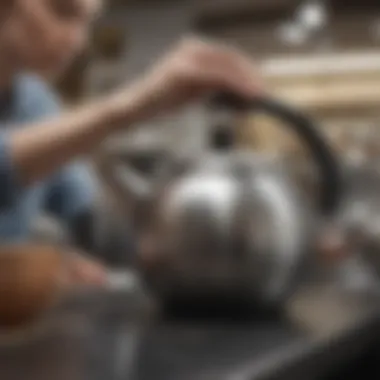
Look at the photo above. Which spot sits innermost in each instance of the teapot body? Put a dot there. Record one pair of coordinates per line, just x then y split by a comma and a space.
233, 221
230, 222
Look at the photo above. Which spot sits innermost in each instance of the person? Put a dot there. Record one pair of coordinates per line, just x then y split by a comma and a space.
41, 145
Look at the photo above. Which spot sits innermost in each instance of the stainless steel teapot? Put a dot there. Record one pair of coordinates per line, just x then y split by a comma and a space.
231, 222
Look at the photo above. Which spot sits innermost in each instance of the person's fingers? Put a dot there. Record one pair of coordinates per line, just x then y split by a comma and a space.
251, 72
86, 271
244, 73
221, 66
232, 71
229, 79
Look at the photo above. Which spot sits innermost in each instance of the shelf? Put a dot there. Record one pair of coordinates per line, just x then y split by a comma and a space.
327, 83
322, 65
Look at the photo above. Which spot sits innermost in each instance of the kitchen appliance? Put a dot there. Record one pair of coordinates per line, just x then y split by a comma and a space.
232, 221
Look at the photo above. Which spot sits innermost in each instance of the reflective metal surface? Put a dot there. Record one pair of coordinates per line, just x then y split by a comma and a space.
232, 222
100, 340
93, 335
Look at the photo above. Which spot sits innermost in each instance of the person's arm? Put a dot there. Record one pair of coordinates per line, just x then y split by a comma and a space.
33, 152
191, 71
42, 148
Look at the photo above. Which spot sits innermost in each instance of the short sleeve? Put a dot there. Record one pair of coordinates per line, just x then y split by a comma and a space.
34, 100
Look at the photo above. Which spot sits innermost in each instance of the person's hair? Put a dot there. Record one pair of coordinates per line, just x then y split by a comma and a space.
6, 6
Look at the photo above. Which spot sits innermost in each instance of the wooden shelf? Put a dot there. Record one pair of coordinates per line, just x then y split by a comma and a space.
329, 83
322, 65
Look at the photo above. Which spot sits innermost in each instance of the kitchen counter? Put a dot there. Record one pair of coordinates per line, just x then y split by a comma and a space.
323, 330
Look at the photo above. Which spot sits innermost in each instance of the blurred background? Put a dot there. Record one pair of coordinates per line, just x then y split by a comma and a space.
320, 56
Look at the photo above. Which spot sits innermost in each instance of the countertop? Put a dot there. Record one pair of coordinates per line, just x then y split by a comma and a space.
322, 329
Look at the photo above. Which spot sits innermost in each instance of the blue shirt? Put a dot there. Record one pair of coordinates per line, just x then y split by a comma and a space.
66, 194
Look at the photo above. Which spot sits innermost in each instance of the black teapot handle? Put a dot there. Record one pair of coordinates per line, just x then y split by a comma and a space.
331, 183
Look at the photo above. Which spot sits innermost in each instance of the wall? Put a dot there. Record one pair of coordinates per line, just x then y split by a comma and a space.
150, 31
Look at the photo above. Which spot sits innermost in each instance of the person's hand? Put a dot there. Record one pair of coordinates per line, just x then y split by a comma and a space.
82, 270
192, 70
32, 276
